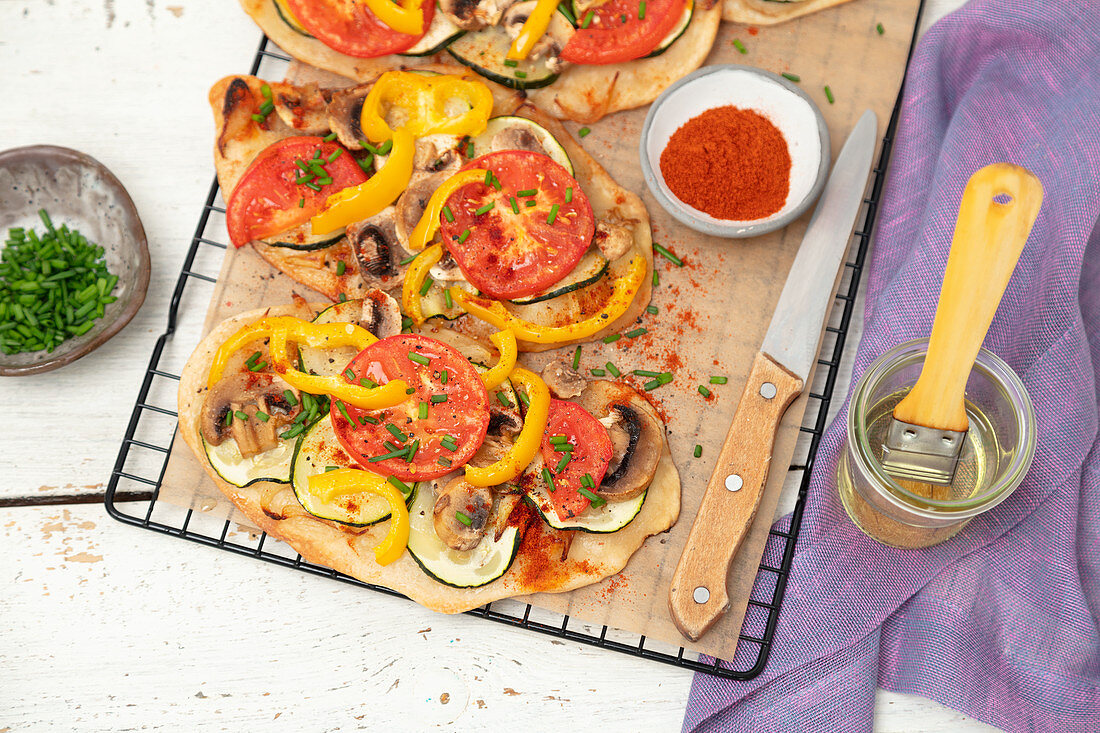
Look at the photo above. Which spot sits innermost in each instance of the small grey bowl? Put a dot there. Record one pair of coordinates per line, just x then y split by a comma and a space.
77, 190
787, 106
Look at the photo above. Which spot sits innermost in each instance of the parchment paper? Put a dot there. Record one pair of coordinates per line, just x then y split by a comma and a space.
713, 312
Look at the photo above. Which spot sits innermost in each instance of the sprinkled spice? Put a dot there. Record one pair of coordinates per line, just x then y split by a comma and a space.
739, 147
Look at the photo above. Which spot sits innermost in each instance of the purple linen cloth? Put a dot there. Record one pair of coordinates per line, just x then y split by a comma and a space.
1001, 622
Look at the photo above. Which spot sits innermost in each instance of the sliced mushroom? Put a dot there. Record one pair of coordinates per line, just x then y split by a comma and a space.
549, 46
446, 269
410, 206
472, 14
303, 108
562, 380
381, 314
475, 504
613, 238
516, 137
344, 113
377, 251
492, 450
636, 433
248, 393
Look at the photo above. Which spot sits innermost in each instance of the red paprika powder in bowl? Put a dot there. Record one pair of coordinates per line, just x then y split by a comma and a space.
734, 151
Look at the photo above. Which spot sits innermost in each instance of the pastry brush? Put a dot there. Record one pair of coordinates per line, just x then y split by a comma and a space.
999, 206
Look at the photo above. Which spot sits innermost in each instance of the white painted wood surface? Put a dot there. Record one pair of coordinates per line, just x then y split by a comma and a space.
107, 627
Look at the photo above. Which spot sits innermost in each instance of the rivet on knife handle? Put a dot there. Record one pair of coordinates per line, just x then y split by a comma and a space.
698, 595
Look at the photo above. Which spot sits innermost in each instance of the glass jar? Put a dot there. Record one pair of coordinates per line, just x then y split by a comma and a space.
996, 453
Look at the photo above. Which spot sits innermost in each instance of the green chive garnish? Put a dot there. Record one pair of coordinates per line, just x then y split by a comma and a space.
530, 203
577, 358
343, 298
704, 391
464, 236
597, 501
485, 209
419, 358
449, 443
408, 259
289, 396
527, 192
422, 411
341, 268
229, 418
447, 213
636, 333
548, 479
740, 46
597, 372
511, 63
503, 400
412, 449
562, 464
718, 380
515, 206
258, 118
641, 10
553, 214
349, 374
400, 485
667, 254
521, 74
587, 20
302, 203
343, 410
396, 432
583, 132
656, 279
426, 285
558, 439
438, 398
369, 383
443, 376
447, 299
470, 149
257, 367
791, 77
880, 29
586, 480
240, 415
445, 462
651, 385
612, 338
370, 419
329, 137
651, 309
614, 370
645, 373
698, 450
524, 399
335, 154
330, 469
384, 148
463, 518
569, 195
829, 94
388, 456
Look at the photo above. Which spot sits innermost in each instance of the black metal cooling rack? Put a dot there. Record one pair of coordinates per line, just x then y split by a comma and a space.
134, 487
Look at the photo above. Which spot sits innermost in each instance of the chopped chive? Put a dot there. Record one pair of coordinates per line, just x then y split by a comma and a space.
521, 74
667, 254
390, 445
880, 29
302, 203
447, 299
791, 77
229, 418
562, 463
408, 259
329, 137
349, 374
335, 154
384, 148
651, 385
369, 383
664, 377
645, 373
559, 439
369, 148
587, 19
290, 397
740, 46
583, 132
586, 480
406, 323
656, 279
597, 501
527, 192
396, 432
343, 411
252, 359
569, 195
330, 469
266, 91
412, 449
553, 214
257, 367
636, 333
530, 203
464, 236
598, 372
341, 268
614, 370
641, 10
577, 358
485, 209
524, 399
829, 94
718, 380
343, 298
438, 398
698, 450
488, 178
548, 479
313, 186
470, 149
463, 518
240, 415
419, 358
515, 206
388, 456
503, 399
612, 338
445, 462
422, 411
704, 391
426, 285
400, 485
651, 309
369, 418
447, 213
443, 376
511, 63
449, 443
258, 118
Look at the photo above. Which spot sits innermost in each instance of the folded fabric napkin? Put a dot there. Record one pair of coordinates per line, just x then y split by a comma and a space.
1000, 622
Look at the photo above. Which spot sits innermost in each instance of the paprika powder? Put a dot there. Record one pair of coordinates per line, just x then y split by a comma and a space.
729, 162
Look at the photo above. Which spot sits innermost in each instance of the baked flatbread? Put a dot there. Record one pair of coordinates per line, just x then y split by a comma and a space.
770, 12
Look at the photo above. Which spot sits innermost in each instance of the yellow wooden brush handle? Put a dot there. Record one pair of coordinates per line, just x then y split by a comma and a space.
989, 236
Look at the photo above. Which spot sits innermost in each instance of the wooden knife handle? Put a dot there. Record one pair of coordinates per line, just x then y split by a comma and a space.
698, 594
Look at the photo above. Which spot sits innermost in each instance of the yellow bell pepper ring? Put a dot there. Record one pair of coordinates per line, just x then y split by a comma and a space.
403, 18
624, 290
414, 281
344, 481
505, 341
533, 29
429, 221
356, 203
527, 444
426, 105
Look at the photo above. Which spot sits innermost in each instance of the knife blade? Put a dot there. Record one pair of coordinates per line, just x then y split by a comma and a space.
698, 596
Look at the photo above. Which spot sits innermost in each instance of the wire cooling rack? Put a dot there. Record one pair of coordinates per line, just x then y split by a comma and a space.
133, 490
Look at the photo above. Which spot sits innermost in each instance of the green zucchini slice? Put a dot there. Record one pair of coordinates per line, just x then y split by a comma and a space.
303, 239
470, 569
548, 142
591, 268
317, 449
675, 33
611, 517
330, 362
484, 51
272, 465
283, 11
433, 304
441, 33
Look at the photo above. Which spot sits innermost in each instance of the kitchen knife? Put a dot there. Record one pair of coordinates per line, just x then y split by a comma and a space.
698, 594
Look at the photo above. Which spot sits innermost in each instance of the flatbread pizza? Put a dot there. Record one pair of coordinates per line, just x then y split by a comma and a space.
770, 12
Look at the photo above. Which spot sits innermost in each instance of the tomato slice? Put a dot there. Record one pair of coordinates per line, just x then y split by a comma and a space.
463, 415
616, 33
507, 254
267, 200
349, 26
591, 454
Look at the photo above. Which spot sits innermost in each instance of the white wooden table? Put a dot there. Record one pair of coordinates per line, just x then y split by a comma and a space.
106, 627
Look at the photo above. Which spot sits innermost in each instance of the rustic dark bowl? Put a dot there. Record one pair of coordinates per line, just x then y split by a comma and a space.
77, 190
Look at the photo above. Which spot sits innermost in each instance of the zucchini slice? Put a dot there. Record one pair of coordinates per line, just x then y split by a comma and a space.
470, 569
303, 239
441, 33
591, 268
548, 142
283, 11
675, 33
611, 517
317, 449
330, 362
433, 304
272, 465
484, 51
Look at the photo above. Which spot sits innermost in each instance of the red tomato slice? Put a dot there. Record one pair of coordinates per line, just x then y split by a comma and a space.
267, 201
508, 254
591, 454
349, 26
464, 415
616, 33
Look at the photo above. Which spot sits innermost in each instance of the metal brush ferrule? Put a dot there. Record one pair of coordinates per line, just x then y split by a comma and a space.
917, 453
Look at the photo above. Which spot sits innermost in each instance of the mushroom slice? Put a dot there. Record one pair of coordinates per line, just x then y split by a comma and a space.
516, 137
613, 238
492, 450
344, 113
381, 314
562, 380
636, 434
377, 251
411, 204
248, 394
461, 499
549, 46
304, 108
446, 269
472, 14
